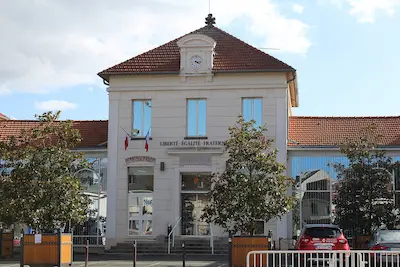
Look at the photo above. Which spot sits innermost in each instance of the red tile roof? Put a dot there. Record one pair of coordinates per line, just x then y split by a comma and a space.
332, 131
306, 131
94, 133
231, 55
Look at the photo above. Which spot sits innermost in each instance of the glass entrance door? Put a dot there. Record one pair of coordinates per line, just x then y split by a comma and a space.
194, 198
140, 214
192, 210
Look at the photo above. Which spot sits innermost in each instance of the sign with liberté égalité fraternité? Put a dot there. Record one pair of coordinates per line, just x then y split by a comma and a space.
192, 143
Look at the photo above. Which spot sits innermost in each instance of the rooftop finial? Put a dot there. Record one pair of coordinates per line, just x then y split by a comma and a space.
210, 20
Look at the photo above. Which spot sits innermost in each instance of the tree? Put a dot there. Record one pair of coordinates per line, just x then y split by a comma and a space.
253, 188
364, 200
41, 190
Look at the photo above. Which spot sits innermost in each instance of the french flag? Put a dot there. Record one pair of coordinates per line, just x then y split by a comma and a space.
146, 145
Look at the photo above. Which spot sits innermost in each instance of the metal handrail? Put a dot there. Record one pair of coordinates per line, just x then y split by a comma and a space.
173, 236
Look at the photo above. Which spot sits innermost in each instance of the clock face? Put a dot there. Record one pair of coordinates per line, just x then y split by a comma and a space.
196, 61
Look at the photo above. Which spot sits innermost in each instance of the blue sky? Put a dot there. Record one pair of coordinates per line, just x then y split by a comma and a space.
345, 51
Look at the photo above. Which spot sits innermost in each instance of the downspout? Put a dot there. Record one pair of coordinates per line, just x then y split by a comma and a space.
294, 78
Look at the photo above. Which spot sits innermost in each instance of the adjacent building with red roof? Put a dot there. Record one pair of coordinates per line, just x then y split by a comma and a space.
3, 117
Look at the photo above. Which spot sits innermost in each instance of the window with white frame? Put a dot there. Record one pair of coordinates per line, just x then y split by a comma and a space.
252, 109
141, 117
196, 117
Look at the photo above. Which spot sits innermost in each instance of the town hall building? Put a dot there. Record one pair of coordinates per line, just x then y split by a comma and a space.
169, 113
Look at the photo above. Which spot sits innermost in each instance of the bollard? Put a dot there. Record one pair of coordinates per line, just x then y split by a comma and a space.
134, 253
87, 253
230, 250
183, 254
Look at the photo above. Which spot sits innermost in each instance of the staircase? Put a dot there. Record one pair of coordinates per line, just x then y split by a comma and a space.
193, 246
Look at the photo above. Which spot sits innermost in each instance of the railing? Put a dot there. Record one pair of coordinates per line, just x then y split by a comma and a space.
93, 240
326, 258
211, 239
173, 235
286, 243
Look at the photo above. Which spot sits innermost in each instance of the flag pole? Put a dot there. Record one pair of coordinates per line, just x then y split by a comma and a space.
126, 132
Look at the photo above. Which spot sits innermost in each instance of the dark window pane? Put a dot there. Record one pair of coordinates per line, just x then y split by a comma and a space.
141, 179
322, 232
199, 182
389, 236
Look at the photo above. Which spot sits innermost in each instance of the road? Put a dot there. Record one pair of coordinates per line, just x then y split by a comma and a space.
122, 263
149, 261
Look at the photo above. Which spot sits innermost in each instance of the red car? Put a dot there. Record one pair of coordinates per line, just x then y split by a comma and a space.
323, 238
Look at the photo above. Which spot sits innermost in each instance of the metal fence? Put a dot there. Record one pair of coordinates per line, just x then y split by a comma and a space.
323, 258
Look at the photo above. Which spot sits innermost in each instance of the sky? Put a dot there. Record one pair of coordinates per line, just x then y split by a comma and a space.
345, 51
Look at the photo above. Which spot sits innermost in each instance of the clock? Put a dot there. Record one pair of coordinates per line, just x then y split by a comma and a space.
196, 61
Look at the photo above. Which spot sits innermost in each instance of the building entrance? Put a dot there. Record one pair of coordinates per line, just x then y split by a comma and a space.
140, 214
140, 201
194, 198
192, 210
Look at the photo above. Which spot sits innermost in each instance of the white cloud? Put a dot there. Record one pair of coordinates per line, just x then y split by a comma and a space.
297, 8
366, 10
52, 105
54, 44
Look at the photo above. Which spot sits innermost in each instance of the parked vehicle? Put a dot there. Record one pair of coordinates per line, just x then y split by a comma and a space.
385, 240
324, 238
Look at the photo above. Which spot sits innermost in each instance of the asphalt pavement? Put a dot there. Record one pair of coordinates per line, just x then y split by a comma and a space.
121, 260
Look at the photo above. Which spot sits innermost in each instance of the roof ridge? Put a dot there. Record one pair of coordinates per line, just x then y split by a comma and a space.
167, 57
252, 47
151, 50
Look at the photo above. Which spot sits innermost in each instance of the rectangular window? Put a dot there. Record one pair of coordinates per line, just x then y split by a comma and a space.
141, 117
141, 179
196, 182
252, 110
196, 117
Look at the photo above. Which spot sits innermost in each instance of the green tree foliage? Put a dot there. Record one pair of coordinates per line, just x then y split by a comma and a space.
253, 188
364, 200
40, 189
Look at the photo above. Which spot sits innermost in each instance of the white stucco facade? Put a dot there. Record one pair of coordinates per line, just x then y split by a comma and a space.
168, 95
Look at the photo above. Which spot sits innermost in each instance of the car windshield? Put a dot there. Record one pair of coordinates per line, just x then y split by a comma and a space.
389, 236
323, 232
